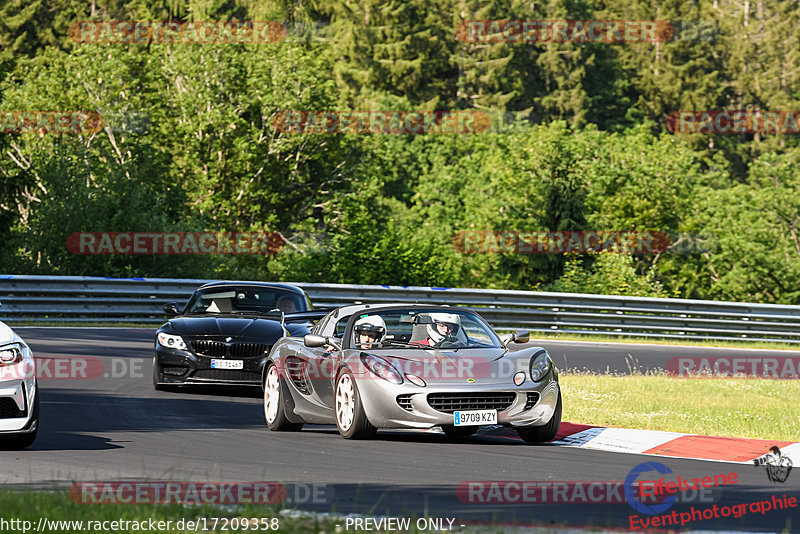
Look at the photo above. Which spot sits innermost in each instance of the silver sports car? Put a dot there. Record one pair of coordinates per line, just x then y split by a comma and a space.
366, 367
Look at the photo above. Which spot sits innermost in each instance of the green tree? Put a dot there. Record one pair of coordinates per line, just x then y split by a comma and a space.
753, 228
611, 274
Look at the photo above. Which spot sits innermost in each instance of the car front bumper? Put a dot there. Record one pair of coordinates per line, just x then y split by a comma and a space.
184, 367
17, 398
382, 402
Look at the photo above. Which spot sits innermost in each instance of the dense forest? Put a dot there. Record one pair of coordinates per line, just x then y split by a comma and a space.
580, 140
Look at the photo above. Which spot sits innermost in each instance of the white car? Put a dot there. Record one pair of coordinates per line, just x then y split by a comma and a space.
19, 392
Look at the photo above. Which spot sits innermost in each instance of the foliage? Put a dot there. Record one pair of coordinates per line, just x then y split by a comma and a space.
611, 274
578, 141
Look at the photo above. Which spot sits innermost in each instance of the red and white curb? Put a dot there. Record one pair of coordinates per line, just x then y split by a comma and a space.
672, 444
660, 443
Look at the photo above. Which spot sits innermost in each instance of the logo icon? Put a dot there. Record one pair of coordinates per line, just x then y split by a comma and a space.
471, 380
778, 466
228, 339
630, 495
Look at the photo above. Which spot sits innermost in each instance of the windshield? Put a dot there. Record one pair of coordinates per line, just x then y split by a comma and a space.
420, 328
243, 300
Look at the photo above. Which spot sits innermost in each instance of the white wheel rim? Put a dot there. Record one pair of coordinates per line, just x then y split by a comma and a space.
345, 402
272, 395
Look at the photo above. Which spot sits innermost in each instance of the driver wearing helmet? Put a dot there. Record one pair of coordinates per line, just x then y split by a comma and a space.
444, 327
369, 331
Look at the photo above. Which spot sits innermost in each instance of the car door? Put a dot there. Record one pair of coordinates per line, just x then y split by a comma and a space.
328, 360
312, 370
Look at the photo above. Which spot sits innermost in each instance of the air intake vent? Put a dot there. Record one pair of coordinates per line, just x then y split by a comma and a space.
228, 375
296, 369
404, 401
533, 398
173, 371
8, 409
451, 402
216, 349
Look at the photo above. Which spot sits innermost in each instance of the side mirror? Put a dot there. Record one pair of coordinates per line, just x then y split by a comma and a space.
521, 336
171, 308
315, 340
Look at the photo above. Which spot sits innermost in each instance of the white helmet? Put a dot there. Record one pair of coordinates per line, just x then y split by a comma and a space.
372, 325
452, 320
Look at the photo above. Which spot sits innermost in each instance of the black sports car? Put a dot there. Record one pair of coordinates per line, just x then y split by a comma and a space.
225, 332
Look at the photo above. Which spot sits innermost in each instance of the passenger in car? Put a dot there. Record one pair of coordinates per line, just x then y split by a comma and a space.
286, 305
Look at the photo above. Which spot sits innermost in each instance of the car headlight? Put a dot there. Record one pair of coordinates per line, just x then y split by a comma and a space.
382, 368
540, 366
9, 355
170, 341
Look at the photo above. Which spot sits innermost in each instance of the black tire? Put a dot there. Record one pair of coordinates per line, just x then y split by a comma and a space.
359, 427
543, 434
23, 441
459, 432
275, 414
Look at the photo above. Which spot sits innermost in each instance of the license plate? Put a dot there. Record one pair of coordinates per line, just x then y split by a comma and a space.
227, 364
475, 418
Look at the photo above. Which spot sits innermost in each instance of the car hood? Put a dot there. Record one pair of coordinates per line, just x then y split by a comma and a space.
438, 355
436, 366
249, 327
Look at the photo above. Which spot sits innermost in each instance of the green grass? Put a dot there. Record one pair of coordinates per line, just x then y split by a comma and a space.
735, 407
666, 341
56, 505
31, 505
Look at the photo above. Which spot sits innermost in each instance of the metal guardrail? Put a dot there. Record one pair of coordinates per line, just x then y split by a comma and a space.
59, 299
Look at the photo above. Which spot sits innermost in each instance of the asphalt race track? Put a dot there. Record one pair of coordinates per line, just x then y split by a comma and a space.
113, 425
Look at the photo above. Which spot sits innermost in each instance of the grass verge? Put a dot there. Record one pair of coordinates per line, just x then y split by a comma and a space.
56, 506
666, 341
60, 515
735, 407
